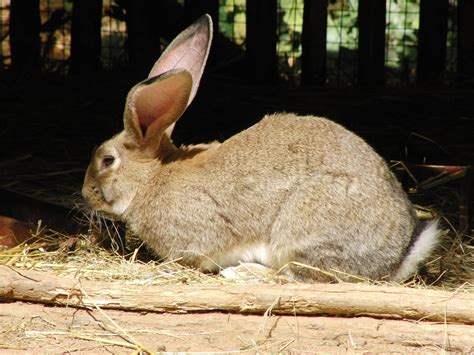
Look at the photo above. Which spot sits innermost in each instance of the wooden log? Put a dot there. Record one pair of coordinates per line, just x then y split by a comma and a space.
261, 40
432, 37
313, 42
344, 300
86, 36
371, 52
466, 40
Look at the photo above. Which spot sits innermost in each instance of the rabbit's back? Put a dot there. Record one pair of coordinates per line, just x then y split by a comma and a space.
298, 145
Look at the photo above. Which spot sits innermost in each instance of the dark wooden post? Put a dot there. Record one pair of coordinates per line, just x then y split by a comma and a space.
86, 36
196, 8
432, 39
261, 40
313, 58
25, 43
143, 34
466, 39
371, 52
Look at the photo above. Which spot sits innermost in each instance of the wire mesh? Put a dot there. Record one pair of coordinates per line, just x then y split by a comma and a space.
402, 24
289, 28
232, 20
452, 41
114, 35
401, 31
5, 59
341, 37
55, 34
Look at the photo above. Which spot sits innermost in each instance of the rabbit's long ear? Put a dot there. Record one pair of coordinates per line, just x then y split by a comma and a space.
155, 104
188, 51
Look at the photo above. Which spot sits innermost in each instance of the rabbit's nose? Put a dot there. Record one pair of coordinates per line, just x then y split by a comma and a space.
87, 190
84, 193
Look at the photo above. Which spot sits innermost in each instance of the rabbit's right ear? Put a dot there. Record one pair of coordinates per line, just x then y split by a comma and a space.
188, 51
153, 105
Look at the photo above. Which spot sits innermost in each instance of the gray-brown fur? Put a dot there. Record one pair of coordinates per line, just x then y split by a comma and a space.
287, 189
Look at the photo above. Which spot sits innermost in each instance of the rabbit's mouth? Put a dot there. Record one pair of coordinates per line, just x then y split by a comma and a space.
94, 198
107, 216
106, 202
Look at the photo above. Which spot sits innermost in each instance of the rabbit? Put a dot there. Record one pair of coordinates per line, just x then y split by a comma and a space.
288, 189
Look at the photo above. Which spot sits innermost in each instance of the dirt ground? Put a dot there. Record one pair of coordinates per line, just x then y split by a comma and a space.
33, 328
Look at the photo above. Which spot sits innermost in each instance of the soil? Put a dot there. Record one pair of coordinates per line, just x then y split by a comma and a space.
39, 328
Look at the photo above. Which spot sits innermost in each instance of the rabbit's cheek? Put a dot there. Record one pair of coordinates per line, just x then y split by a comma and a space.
115, 200
119, 207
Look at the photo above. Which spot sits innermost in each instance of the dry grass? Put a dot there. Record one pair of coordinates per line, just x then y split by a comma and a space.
83, 256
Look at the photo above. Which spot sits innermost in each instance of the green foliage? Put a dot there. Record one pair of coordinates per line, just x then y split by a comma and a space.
290, 29
402, 31
232, 20
342, 34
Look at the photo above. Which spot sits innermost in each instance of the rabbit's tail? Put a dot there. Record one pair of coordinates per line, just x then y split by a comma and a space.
422, 247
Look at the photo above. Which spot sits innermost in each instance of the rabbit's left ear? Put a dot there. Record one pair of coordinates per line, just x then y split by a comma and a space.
153, 106
188, 51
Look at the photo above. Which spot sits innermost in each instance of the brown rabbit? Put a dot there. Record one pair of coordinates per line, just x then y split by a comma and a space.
287, 189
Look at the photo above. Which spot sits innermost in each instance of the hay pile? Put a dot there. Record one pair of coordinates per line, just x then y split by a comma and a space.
87, 256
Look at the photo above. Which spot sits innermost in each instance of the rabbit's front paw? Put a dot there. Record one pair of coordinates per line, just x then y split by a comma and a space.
248, 273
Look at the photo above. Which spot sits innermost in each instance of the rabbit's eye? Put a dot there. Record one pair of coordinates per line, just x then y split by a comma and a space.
107, 161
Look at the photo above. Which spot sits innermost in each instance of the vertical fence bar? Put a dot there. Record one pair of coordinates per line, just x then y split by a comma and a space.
261, 40
143, 34
465, 39
24, 35
432, 39
371, 52
196, 8
86, 36
313, 42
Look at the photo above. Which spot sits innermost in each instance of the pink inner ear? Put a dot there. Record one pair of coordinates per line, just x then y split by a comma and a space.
150, 106
159, 104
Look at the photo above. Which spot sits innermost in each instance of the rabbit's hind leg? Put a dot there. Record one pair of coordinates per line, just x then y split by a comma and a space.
333, 224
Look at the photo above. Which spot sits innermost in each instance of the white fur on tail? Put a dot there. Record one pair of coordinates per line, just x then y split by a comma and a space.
424, 244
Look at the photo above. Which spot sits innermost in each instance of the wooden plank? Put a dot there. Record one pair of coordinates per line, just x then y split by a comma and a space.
313, 59
261, 40
24, 35
466, 39
86, 36
371, 52
432, 38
